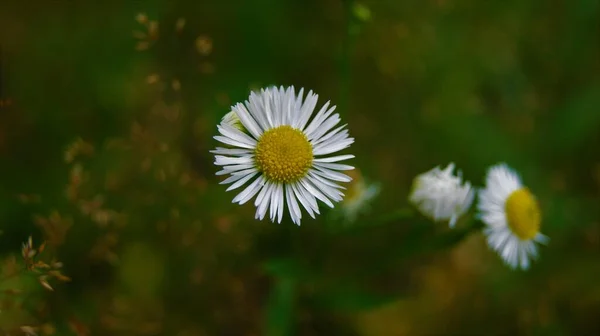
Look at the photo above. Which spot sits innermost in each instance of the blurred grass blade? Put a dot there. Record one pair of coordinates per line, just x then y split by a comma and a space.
280, 307
286, 268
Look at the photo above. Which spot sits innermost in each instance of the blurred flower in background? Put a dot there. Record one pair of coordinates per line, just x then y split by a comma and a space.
512, 216
281, 146
359, 194
441, 195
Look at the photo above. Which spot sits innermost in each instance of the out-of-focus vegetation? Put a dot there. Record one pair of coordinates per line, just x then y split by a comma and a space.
107, 115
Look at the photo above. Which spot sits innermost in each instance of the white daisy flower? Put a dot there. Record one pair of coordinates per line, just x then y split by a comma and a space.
442, 196
512, 217
358, 196
283, 153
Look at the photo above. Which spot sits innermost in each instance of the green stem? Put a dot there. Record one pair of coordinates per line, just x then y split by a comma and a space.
280, 308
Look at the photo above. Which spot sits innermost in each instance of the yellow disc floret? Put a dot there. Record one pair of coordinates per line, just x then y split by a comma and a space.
523, 214
283, 154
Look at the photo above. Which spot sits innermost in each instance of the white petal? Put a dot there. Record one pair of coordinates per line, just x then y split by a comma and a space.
329, 135
241, 182
279, 203
452, 222
267, 108
234, 168
542, 239
232, 142
274, 203
329, 191
334, 158
322, 149
289, 109
262, 201
318, 119
324, 127
250, 191
305, 203
314, 191
256, 106
247, 120
277, 111
245, 171
333, 166
312, 174
231, 151
524, 257
226, 161
332, 141
332, 175
307, 109
235, 134
292, 204
239, 175
312, 201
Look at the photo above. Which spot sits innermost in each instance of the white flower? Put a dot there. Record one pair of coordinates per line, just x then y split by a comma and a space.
232, 119
440, 195
358, 196
512, 217
283, 153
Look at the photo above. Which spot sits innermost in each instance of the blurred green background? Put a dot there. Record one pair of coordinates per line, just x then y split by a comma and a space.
151, 241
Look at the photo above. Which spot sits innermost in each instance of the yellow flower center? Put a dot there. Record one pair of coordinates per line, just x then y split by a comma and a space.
523, 214
283, 154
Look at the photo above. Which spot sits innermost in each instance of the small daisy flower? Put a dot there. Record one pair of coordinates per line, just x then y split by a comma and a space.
232, 119
442, 196
283, 153
512, 217
358, 196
